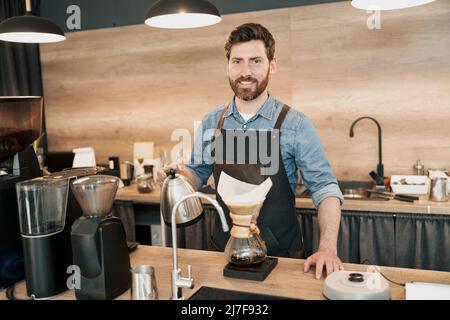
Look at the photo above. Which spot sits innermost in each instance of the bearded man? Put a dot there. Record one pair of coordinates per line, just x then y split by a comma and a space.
250, 52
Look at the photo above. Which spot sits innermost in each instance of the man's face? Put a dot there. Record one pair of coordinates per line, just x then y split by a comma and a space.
249, 69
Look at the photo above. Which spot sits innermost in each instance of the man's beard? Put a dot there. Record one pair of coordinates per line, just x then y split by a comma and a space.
248, 93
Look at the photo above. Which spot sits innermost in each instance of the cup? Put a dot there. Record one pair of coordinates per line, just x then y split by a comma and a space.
438, 190
143, 283
144, 183
126, 172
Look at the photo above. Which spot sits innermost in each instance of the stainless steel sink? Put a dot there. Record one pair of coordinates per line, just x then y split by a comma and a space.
351, 189
358, 193
210, 293
343, 185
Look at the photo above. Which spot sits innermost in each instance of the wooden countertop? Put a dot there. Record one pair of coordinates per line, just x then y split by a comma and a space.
422, 205
286, 280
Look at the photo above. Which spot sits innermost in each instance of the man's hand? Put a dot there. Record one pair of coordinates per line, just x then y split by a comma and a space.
180, 168
324, 257
329, 217
160, 174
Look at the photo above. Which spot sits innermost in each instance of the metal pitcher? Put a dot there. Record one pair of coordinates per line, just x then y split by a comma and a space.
438, 190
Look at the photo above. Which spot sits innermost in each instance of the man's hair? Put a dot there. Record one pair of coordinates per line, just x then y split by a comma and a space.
251, 31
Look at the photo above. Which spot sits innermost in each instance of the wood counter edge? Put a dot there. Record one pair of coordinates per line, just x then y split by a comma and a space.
286, 280
130, 193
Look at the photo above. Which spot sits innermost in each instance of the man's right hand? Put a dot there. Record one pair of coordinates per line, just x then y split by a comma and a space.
179, 168
161, 174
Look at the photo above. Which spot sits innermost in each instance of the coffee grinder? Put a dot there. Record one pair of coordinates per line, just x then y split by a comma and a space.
98, 240
47, 210
42, 214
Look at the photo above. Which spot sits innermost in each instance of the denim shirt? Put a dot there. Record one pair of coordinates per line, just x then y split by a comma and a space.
299, 145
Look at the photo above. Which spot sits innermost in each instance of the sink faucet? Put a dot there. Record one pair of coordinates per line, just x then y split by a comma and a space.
380, 170
178, 282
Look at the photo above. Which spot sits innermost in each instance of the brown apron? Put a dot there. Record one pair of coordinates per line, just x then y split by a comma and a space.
277, 220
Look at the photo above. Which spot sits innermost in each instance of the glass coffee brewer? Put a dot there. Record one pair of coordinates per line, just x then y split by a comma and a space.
245, 248
99, 241
245, 251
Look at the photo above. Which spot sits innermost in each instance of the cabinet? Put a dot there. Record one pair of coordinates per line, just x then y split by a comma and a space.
409, 240
141, 222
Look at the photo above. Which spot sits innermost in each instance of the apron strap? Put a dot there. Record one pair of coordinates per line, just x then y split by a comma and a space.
219, 125
281, 117
278, 124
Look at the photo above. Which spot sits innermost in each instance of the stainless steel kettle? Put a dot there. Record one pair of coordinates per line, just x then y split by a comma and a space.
175, 187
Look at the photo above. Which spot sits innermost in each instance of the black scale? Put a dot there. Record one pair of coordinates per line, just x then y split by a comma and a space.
257, 272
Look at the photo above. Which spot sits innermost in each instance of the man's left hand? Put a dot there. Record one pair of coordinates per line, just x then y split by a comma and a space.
323, 258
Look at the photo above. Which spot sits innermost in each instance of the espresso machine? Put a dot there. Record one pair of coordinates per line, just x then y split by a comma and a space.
20, 126
99, 241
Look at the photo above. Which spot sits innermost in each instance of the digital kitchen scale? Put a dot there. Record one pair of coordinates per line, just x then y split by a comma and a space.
257, 272
356, 285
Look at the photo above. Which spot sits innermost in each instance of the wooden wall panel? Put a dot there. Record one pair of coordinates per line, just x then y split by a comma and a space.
108, 88
399, 74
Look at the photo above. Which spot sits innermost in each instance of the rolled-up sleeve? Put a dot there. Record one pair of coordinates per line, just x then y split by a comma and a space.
331, 190
311, 160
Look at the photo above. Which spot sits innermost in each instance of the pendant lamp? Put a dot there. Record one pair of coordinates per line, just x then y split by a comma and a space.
388, 4
30, 29
182, 14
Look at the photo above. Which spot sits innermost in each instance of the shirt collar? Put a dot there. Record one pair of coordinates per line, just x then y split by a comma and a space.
267, 110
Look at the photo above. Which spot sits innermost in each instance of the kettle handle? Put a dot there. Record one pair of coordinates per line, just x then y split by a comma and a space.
170, 173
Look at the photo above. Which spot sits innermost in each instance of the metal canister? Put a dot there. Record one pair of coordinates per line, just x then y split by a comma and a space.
419, 168
126, 172
438, 190
143, 283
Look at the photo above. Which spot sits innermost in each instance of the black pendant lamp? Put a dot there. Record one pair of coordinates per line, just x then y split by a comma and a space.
182, 14
30, 29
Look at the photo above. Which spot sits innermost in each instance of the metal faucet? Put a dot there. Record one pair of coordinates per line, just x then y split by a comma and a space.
178, 282
380, 169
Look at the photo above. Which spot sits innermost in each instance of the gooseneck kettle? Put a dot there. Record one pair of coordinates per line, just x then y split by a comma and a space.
175, 187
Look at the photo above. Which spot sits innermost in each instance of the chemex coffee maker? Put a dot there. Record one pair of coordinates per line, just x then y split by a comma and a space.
98, 240
245, 246
246, 251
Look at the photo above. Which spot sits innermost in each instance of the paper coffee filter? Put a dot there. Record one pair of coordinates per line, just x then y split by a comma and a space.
236, 192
